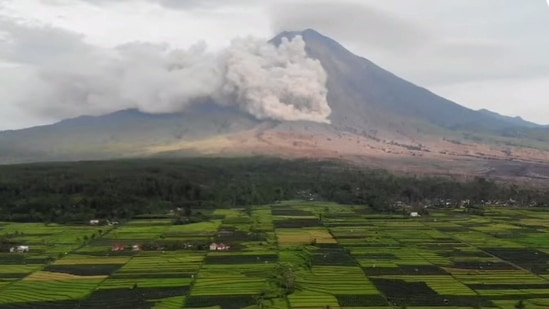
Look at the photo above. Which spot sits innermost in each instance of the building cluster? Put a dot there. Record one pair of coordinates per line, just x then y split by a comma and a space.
219, 247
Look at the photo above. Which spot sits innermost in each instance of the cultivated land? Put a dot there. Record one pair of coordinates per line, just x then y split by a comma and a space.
329, 255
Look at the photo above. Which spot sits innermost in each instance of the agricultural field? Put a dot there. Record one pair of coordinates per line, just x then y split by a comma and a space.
287, 255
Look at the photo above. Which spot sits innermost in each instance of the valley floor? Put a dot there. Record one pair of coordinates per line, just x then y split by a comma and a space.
288, 255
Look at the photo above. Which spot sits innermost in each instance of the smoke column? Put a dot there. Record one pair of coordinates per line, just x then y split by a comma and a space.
268, 82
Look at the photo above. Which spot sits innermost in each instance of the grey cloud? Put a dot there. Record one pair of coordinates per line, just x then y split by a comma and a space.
351, 22
193, 4
520, 96
37, 44
469, 60
179, 4
477, 60
71, 78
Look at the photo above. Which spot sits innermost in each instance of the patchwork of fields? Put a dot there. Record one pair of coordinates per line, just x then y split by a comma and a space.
288, 255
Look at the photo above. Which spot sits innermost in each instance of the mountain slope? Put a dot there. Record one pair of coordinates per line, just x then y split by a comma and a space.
377, 118
121, 134
362, 93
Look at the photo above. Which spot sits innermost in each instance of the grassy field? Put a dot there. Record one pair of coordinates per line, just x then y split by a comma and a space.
288, 255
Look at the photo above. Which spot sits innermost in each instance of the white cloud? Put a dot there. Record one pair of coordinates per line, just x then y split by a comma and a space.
454, 47
61, 76
118, 22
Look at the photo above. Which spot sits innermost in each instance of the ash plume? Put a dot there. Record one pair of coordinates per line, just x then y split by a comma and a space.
266, 81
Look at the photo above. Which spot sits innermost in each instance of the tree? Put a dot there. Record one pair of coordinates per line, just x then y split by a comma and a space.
285, 278
520, 304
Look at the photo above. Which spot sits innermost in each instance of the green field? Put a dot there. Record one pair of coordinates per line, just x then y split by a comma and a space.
288, 255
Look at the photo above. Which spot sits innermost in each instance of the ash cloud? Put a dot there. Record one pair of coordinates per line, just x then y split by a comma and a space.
279, 83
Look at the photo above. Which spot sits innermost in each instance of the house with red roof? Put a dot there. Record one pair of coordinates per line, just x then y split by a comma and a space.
219, 247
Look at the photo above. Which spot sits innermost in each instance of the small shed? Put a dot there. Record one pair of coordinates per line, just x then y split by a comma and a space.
414, 214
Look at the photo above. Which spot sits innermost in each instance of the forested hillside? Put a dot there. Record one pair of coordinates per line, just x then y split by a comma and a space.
77, 192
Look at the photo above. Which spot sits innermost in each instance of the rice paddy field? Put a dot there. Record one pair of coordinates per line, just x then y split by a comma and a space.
288, 255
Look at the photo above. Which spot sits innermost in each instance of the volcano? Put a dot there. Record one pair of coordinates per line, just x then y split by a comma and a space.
377, 119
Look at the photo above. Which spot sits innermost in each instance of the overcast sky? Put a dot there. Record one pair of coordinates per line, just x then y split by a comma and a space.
490, 54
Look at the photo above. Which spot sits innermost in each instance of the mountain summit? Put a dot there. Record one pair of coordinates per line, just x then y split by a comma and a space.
366, 96
376, 118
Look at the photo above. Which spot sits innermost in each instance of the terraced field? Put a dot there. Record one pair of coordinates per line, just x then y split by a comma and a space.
288, 255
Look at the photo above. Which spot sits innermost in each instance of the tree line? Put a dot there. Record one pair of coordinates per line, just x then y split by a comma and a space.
79, 191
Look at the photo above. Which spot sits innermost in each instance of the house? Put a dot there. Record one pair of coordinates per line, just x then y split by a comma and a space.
118, 247
136, 247
111, 223
94, 222
219, 247
19, 249
414, 214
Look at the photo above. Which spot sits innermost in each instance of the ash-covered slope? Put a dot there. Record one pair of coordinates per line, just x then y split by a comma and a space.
372, 111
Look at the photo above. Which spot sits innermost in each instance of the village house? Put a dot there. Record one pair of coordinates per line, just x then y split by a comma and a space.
219, 247
94, 222
19, 249
414, 214
136, 247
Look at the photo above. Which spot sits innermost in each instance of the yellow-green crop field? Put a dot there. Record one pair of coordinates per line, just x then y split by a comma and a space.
288, 255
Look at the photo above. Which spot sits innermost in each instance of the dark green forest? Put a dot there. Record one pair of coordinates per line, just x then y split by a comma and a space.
78, 191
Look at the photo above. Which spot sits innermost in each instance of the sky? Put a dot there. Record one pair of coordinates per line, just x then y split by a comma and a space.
491, 54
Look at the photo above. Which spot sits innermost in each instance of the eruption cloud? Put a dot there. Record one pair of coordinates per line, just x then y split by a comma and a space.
269, 82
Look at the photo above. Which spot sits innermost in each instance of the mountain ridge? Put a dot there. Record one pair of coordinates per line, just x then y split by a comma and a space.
377, 118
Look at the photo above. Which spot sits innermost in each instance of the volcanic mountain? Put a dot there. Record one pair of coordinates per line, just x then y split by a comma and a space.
377, 119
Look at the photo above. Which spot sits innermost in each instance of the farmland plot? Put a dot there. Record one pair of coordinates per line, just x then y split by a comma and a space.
288, 255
